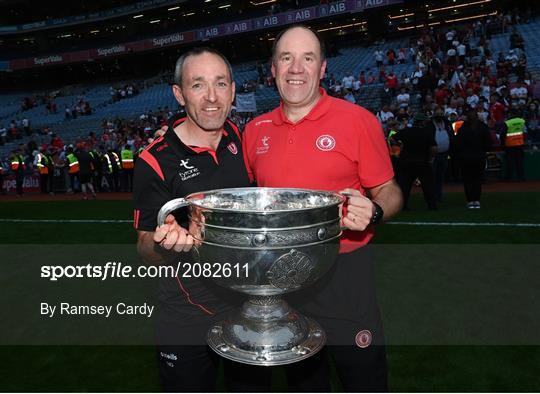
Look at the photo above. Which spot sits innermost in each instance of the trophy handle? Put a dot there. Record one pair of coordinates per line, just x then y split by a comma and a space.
169, 207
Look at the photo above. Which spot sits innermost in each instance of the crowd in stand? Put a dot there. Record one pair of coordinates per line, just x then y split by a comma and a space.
80, 108
124, 91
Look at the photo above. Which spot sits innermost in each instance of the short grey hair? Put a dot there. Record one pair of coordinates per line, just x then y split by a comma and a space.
178, 69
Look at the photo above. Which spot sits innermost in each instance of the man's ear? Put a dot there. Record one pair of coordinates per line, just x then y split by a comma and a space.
233, 86
323, 69
273, 69
177, 91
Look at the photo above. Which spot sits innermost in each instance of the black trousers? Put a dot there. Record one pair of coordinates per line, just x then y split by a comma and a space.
343, 302
44, 183
472, 173
409, 171
19, 179
440, 165
514, 162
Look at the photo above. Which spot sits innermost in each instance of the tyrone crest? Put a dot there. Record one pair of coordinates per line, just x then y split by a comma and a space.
326, 142
363, 339
232, 147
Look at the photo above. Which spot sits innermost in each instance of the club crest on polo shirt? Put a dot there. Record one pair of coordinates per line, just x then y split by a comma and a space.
325, 142
188, 171
232, 147
363, 339
263, 145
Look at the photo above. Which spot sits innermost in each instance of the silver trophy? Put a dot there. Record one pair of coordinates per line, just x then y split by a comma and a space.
273, 241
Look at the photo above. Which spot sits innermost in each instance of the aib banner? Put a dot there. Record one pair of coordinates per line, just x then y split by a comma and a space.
203, 34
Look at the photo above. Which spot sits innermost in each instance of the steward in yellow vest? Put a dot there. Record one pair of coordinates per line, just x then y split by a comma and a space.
514, 141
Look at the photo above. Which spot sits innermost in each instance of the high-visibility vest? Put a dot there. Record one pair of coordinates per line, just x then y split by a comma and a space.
456, 126
393, 148
109, 162
42, 164
73, 163
127, 159
515, 136
17, 163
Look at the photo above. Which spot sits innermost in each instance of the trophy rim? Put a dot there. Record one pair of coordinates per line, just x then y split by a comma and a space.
191, 199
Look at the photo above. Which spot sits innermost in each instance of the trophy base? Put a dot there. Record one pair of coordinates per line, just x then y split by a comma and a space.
267, 332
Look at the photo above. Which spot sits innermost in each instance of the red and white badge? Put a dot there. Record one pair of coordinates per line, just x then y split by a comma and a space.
326, 142
232, 147
363, 339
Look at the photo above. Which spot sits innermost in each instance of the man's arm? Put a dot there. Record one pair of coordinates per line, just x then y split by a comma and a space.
360, 209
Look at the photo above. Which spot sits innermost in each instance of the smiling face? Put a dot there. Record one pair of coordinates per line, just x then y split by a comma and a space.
298, 66
207, 91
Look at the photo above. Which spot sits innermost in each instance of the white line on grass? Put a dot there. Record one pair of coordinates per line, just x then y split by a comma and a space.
470, 224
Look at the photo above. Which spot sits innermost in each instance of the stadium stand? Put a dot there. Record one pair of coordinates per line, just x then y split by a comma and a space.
145, 111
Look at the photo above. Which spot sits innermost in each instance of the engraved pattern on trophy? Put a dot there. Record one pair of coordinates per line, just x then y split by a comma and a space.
290, 271
288, 239
271, 238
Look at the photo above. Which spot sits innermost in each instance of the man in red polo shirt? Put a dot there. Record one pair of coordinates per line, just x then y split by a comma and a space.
319, 142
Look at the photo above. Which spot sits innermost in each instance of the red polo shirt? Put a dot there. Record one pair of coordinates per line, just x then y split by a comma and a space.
337, 145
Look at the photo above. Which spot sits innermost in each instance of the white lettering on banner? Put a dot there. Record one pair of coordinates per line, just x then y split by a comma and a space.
30, 184
240, 27
336, 8
211, 32
302, 15
270, 21
49, 59
111, 50
159, 42
373, 3
9, 185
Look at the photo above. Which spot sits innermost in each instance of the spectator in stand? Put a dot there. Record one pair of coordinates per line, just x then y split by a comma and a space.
402, 56
461, 53
403, 99
347, 81
472, 99
472, 142
415, 77
356, 87
384, 115
392, 82
518, 95
362, 77
451, 57
379, 58
497, 110
347, 95
391, 57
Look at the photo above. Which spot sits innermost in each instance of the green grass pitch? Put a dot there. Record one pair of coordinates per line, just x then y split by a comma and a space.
432, 289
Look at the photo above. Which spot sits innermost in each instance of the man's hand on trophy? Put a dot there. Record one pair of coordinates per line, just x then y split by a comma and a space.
172, 236
359, 210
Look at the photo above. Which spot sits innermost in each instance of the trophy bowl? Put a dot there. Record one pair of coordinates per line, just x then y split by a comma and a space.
267, 242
